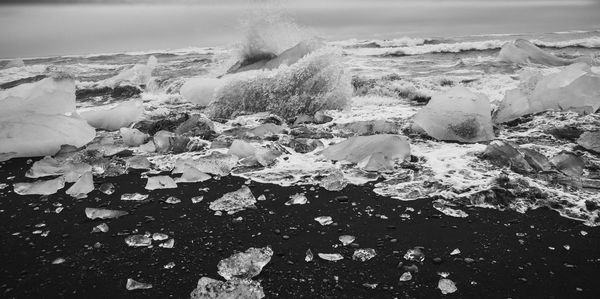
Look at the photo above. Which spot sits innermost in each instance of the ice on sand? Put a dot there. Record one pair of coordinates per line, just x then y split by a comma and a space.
95, 213
113, 118
82, 187
136, 285
216, 163
364, 254
138, 241
192, 175
447, 286
48, 96
575, 88
234, 202
40, 187
457, 115
133, 137
245, 265
241, 149
331, 256
160, 182
384, 148
209, 288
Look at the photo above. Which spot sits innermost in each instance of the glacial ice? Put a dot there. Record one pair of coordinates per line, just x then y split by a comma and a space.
138, 241
364, 254
590, 141
346, 239
133, 137
524, 52
209, 288
331, 256
316, 82
96, 213
242, 149
48, 96
375, 152
82, 187
40, 187
136, 285
192, 175
245, 265
457, 115
575, 88
216, 163
113, 118
160, 182
235, 201
49, 166
447, 286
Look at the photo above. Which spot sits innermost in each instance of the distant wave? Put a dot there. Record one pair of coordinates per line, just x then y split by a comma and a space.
457, 47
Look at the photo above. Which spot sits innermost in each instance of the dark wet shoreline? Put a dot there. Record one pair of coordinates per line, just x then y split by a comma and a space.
503, 267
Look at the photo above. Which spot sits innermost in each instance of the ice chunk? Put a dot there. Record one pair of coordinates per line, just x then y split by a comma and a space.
377, 150
112, 118
443, 207
133, 137
241, 149
590, 141
100, 228
309, 256
138, 240
192, 175
447, 286
172, 200
33, 135
136, 285
82, 187
319, 81
346, 239
159, 236
138, 75
134, 196
160, 182
209, 288
297, 199
200, 91
569, 164
331, 256
524, 52
94, 213
167, 244
48, 96
245, 265
364, 254
335, 181
457, 115
324, 220
234, 202
415, 255
576, 88
216, 163
40, 187
406, 276
49, 166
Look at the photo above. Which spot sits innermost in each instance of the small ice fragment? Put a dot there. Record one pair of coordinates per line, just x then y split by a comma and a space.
192, 175
309, 256
197, 199
331, 256
324, 220
136, 285
371, 286
415, 255
169, 265
168, 244
40, 187
297, 199
406, 276
455, 251
346, 239
138, 240
134, 196
107, 188
82, 187
100, 228
448, 211
173, 200
234, 202
372, 153
364, 254
447, 286
159, 236
262, 197
160, 182
245, 265
567, 247
57, 261
334, 181
94, 213
133, 137
234, 288
583, 233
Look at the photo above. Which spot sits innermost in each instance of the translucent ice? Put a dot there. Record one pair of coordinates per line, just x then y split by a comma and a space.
335, 181
241, 149
49, 166
112, 118
245, 265
138, 240
447, 286
524, 52
133, 137
136, 285
82, 187
346, 239
209, 288
160, 182
134, 196
457, 115
47, 96
94, 213
324, 220
234, 202
32, 135
364, 254
191, 175
297, 199
377, 150
590, 141
331, 256
216, 163
40, 187
576, 88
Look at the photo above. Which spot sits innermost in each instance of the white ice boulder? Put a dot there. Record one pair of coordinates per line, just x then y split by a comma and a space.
112, 118
575, 88
524, 52
33, 135
200, 91
457, 115
363, 148
47, 96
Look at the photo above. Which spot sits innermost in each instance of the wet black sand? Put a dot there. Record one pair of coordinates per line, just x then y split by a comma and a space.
98, 265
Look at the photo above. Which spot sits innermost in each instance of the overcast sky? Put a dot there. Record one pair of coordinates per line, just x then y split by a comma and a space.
101, 26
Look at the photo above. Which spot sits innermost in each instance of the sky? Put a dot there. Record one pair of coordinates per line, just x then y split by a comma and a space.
36, 28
